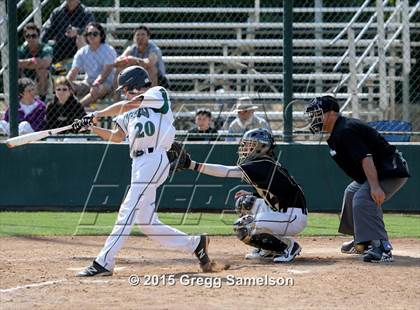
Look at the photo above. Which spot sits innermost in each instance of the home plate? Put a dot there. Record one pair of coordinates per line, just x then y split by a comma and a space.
81, 268
298, 271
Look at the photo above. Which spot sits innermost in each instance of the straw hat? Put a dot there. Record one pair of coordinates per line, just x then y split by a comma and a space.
245, 104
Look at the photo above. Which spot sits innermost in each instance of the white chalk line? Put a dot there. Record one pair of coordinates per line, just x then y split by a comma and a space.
103, 281
7, 290
406, 253
81, 268
295, 271
61, 281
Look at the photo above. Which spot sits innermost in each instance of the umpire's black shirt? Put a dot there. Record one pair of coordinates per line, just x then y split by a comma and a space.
351, 140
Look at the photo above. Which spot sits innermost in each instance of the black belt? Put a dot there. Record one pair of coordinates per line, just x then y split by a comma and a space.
304, 210
142, 152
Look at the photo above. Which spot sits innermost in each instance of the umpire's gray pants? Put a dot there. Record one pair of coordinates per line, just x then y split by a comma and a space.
360, 216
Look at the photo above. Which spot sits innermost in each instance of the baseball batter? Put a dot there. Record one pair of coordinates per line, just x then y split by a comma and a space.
276, 211
147, 122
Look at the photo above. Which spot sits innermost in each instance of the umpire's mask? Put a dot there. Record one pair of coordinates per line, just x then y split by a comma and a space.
315, 111
255, 143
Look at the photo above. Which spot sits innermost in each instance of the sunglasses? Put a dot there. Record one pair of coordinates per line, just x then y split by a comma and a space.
61, 89
31, 36
93, 33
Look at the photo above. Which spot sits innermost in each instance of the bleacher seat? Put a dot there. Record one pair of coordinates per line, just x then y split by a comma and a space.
393, 125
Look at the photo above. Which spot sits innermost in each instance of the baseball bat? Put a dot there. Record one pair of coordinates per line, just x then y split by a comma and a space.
35, 136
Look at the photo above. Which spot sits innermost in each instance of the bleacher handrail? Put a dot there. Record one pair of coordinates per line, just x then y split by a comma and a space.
383, 50
247, 42
253, 95
221, 25
350, 23
261, 59
249, 10
373, 41
271, 76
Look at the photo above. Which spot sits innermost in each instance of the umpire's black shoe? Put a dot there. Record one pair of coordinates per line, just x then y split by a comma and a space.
94, 270
378, 255
202, 250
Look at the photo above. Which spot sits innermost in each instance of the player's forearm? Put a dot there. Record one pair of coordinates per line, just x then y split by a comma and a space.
217, 170
106, 134
370, 171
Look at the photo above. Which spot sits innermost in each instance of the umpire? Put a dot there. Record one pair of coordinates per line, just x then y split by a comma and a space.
378, 171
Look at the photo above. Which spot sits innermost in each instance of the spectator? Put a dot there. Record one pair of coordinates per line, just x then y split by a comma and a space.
96, 59
246, 119
35, 59
31, 112
202, 122
65, 26
64, 108
146, 54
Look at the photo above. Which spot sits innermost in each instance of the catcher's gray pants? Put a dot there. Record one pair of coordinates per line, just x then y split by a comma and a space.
360, 216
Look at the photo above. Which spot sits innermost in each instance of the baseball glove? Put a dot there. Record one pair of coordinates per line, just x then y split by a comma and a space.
179, 159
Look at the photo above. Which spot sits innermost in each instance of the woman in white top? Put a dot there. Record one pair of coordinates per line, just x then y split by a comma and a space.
96, 59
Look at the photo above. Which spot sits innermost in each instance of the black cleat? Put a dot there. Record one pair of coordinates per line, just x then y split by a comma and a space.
378, 255
289, 254
202, 250
94, 270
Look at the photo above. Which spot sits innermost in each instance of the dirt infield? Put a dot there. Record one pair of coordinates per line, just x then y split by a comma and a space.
38, 272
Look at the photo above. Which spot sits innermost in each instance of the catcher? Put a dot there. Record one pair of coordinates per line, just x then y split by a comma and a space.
275, 212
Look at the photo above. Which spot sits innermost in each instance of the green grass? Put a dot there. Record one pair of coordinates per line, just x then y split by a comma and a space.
67, 223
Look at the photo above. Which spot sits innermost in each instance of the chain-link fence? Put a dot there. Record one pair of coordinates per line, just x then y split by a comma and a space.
214, 52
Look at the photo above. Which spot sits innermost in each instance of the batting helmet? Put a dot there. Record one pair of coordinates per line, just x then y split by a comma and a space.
255, 143
316, 109
133, 77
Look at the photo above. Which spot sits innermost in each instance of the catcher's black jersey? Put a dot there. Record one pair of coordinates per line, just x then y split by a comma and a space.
273, 183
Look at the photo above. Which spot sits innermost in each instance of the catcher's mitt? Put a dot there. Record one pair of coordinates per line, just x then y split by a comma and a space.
179, 159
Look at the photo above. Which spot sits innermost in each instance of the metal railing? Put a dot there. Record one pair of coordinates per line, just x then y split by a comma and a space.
383, 46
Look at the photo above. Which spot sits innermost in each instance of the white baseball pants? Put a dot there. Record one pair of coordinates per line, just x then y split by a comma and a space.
281, 224
148, 172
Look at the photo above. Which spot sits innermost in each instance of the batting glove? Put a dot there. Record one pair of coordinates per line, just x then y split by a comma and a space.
77, 125
87, 120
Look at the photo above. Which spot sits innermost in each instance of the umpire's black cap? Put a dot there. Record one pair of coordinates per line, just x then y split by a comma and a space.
326, 103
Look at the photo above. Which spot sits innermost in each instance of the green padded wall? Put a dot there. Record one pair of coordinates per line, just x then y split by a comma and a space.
70, 176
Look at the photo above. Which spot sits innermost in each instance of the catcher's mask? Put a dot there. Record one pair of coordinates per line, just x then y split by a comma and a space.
315, 111
255, 143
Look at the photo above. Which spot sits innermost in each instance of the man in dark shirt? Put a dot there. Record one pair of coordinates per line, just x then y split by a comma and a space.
378, 171
202, 122
276, 211
35, 59
65, 26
